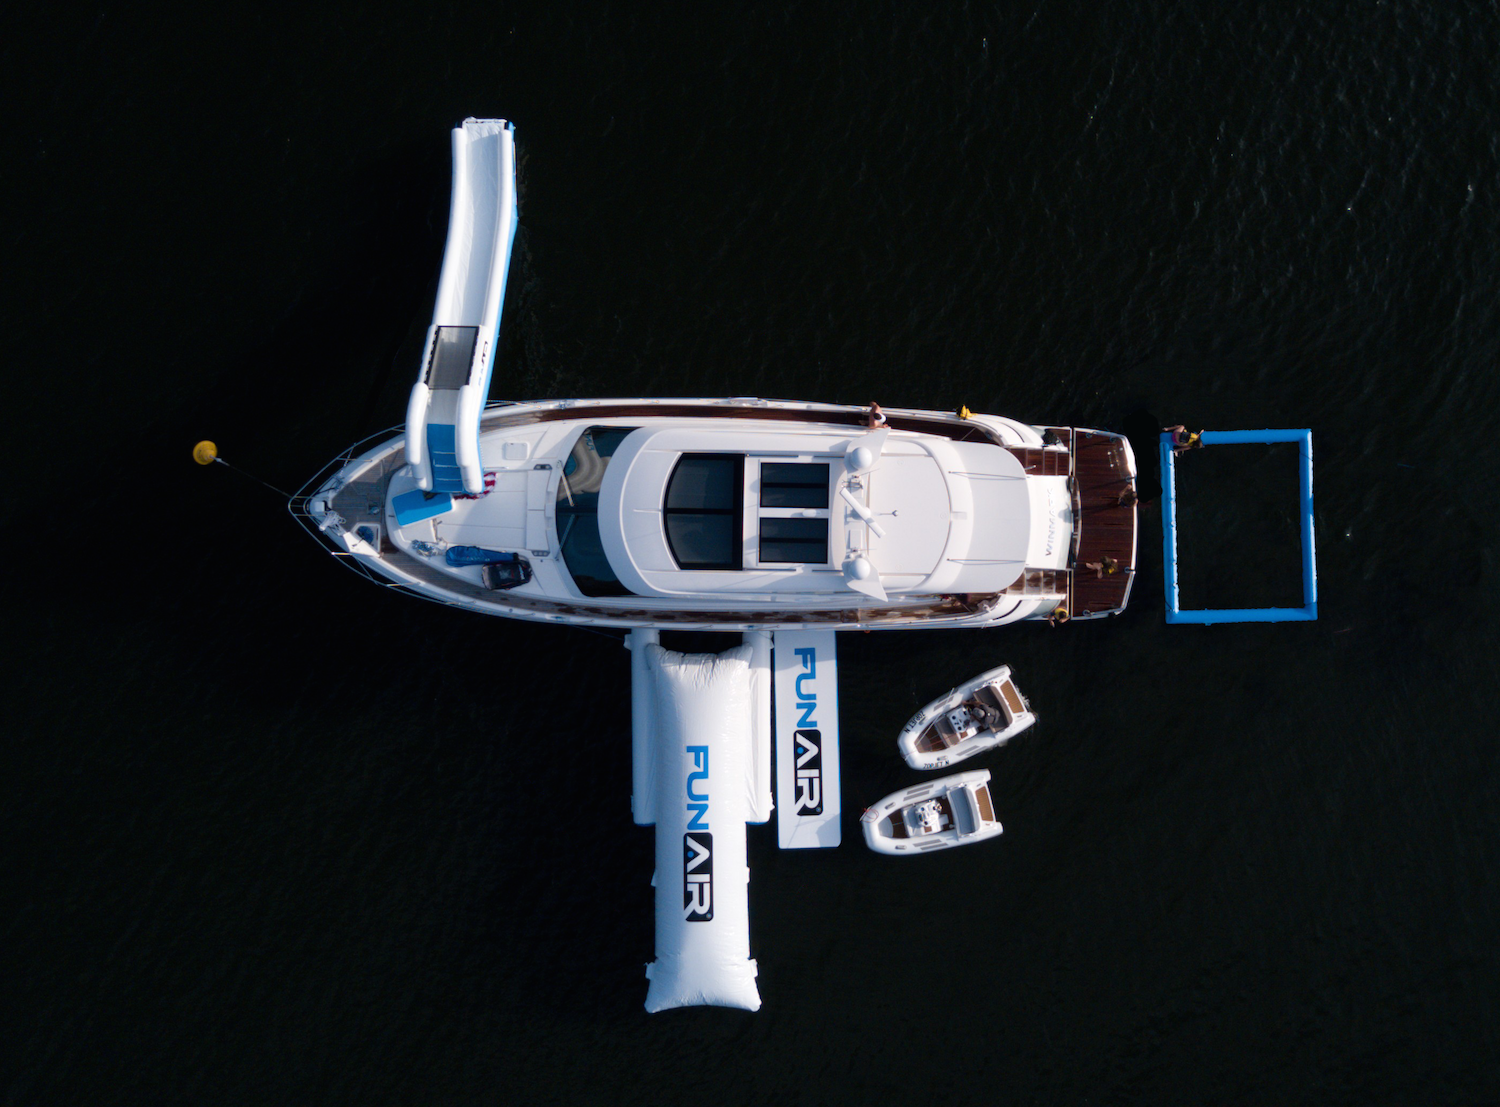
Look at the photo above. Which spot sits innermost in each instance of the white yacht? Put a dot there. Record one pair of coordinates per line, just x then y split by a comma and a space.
717, 514
738, 514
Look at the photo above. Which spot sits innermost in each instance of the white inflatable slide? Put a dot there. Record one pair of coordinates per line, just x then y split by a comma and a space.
697, 778
442, 415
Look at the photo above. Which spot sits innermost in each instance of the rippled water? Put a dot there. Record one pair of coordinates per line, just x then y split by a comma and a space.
279, 836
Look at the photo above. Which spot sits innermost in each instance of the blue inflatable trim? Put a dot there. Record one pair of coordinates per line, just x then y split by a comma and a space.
416, 505
442, 451
1309, 609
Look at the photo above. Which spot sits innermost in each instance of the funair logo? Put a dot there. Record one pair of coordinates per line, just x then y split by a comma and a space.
808, 740
698, 844
698, 877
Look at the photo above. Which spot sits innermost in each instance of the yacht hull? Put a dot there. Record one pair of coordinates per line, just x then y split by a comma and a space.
351, 508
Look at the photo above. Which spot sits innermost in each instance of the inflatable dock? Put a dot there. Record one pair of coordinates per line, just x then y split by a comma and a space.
703, 730
1170, 446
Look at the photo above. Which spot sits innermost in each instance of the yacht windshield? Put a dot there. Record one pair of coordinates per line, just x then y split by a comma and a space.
578, 511
703, 511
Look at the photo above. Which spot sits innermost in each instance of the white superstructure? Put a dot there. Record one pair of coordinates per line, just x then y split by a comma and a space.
733, 515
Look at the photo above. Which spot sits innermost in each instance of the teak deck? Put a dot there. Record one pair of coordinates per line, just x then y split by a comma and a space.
1105, 527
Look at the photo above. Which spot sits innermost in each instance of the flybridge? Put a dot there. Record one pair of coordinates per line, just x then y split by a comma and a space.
704, 509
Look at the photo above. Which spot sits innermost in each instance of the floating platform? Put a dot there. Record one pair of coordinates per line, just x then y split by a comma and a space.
702, 734
1309, 609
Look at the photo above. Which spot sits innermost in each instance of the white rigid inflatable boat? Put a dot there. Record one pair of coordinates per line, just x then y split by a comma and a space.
950, 811
979, 715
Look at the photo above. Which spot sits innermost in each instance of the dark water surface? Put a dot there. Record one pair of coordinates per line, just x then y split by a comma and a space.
277, 836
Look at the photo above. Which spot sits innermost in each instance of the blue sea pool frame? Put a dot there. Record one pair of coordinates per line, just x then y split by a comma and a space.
1309, 609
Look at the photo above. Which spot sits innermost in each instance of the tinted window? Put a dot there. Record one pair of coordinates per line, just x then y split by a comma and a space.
578, 511
704, 482
792, 484
583, 553
799, 541
702, 541
702, 511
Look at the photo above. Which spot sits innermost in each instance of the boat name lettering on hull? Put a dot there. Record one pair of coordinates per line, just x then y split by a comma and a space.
698, 877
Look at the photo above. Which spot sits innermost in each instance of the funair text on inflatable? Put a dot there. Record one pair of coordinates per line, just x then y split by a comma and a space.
696, 760
701, 745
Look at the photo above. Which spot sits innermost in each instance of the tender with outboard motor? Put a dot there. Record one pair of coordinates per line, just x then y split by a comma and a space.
938, 814
978, 715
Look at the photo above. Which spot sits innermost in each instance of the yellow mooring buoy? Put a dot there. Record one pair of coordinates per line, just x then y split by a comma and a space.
205, 453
